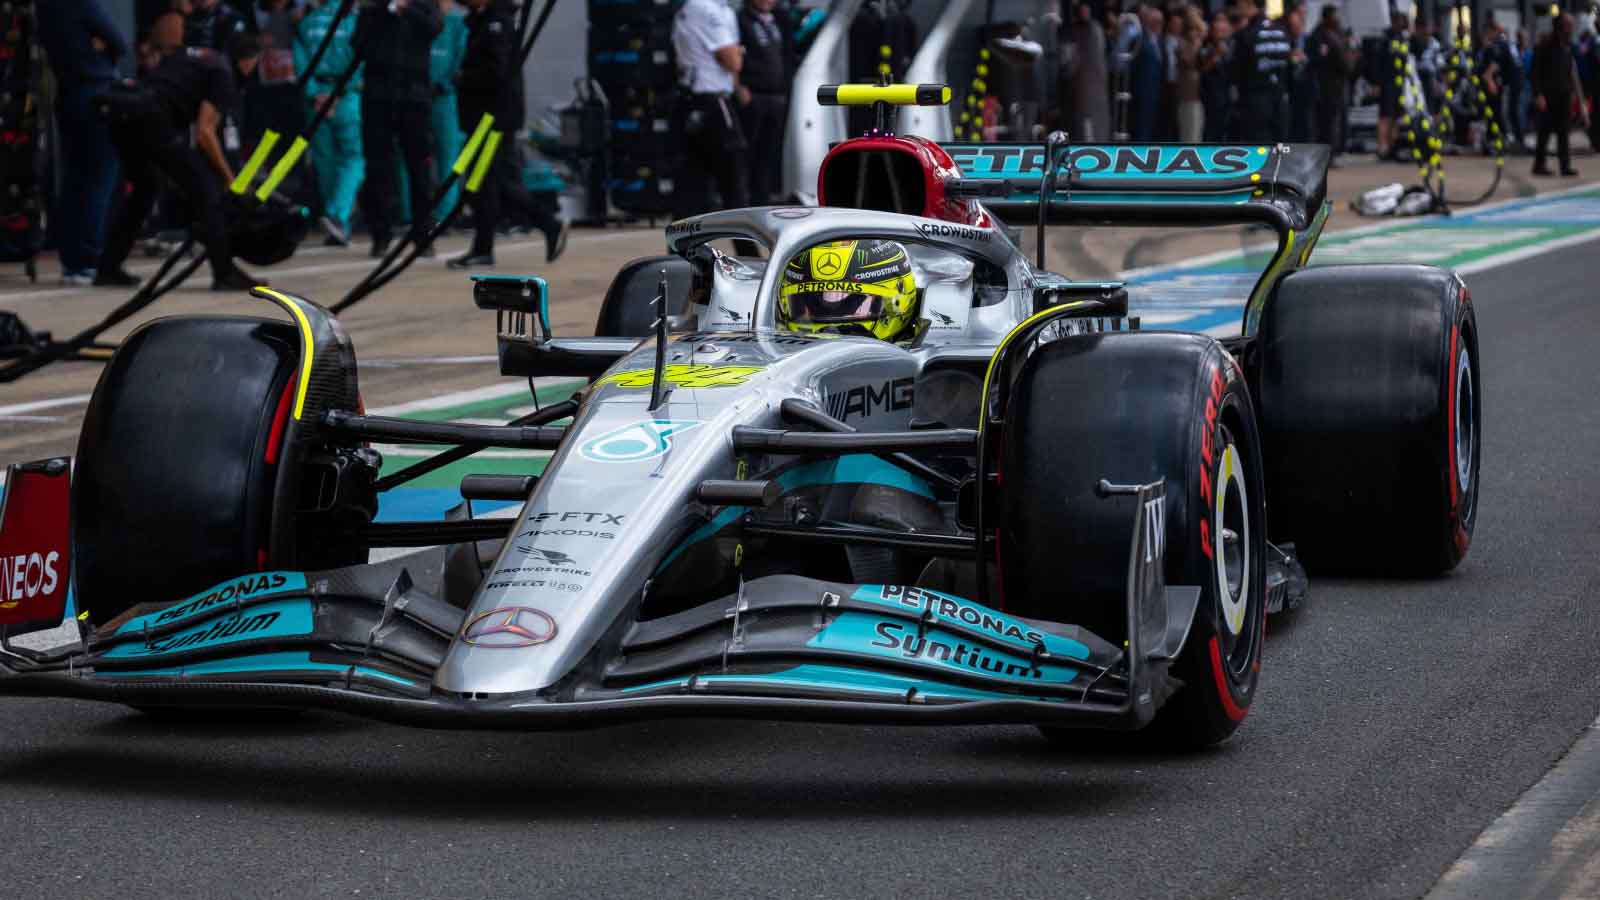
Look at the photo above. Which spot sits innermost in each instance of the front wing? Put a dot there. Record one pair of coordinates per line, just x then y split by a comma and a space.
366, 641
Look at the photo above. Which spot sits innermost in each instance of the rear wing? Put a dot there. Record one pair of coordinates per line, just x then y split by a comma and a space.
1283, 186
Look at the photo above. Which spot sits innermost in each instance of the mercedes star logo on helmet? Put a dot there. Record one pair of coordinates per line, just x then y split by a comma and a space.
828, 264
509, 627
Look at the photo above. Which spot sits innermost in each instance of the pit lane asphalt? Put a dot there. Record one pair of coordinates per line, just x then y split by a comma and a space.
1395, 721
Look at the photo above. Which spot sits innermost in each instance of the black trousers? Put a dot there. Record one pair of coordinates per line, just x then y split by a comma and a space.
383, 121
1264, 116
1330, 119
764, 119
150, 156
713, 154
1556, 119
502, 194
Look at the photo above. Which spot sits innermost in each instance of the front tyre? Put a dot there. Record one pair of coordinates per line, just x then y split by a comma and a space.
1135, 408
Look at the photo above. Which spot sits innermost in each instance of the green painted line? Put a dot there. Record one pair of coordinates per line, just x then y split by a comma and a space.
485, 462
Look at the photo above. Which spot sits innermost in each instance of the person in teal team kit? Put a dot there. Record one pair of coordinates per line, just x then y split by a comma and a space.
444, 60
336, 147
448, 50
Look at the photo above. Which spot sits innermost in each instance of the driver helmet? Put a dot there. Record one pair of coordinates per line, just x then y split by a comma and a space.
862, 287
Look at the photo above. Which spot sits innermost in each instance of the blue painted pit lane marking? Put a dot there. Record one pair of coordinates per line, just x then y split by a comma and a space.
429, 504
287, 661
1208, 295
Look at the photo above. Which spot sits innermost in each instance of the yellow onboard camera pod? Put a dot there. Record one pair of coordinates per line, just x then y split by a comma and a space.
883, 96
892, 94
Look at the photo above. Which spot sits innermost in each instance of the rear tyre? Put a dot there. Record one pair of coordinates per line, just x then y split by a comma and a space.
1135, 408
1370, 407
177, 462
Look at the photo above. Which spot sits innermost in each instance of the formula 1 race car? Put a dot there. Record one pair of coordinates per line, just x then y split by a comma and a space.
897, 474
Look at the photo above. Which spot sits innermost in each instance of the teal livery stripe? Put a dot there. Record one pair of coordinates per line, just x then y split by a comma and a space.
954, 610
855, 468
1223, 198
279, 618
863, 634
245, 587
261, 662
825, 678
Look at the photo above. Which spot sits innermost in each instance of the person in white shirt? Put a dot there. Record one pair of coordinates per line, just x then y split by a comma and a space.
705, 36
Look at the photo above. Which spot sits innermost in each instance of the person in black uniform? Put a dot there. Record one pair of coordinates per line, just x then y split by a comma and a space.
1387, 75
1261, 73
150, 122
764, 93
1555, 83
1329, 51
211, 24
397, 104
490, 81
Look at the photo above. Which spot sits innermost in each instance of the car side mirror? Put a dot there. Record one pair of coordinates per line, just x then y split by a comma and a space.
1108, 298
527, 294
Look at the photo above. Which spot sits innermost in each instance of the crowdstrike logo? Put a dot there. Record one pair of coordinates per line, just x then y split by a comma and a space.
509, 627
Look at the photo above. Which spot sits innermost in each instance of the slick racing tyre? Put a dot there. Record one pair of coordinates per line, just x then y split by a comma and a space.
1370, 412
174, 481
1134, 408
629, 306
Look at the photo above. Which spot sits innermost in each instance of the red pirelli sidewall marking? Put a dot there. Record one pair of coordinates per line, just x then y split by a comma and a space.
1230, 708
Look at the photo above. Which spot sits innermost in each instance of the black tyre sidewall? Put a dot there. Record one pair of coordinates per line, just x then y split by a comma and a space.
171, 489
1219, 685
1133, 408
1356, 384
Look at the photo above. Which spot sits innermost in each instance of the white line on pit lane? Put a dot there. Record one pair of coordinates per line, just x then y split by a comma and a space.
17, 409
400, 362
1545, 844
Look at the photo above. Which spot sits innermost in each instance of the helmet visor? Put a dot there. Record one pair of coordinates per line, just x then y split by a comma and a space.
833, 307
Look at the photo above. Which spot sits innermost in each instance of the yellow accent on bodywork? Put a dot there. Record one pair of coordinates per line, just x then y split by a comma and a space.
1258, 295
307, 343
684, 375
988, 375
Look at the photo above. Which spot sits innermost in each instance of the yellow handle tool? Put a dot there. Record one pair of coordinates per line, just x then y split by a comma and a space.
484, 159
281, 170
247, 174
471, 148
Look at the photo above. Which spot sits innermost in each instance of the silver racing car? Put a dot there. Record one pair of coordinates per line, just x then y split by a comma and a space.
889, 471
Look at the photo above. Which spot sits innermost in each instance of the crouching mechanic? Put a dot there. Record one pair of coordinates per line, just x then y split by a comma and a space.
149, 121
862, 287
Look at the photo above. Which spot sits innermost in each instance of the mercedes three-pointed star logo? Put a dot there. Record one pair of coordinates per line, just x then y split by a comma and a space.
828, 264
509, 627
